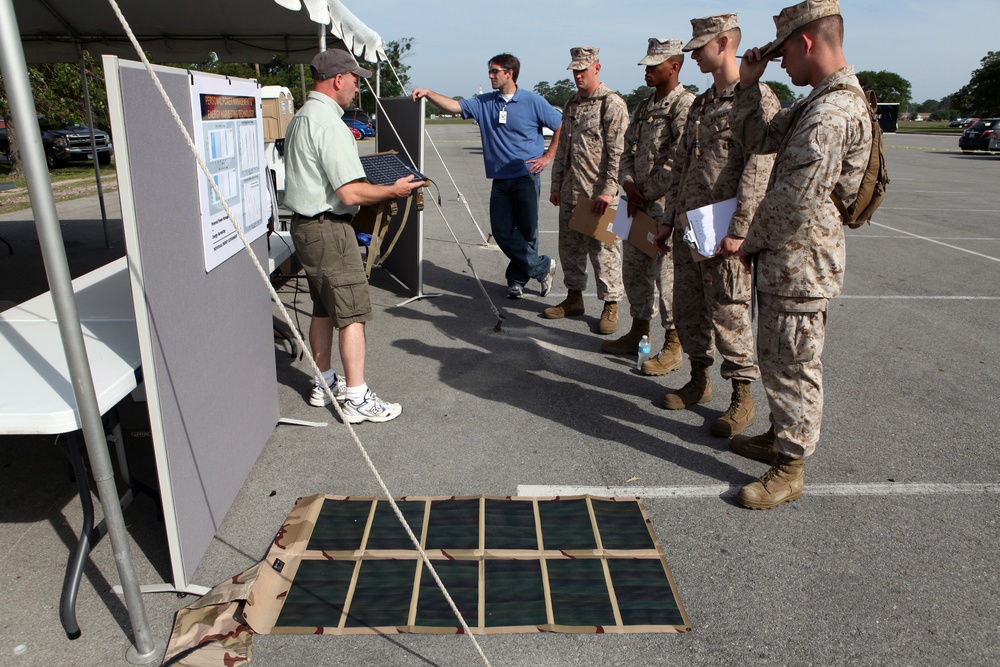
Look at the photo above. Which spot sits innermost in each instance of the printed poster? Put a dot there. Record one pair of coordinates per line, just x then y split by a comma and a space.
229, 134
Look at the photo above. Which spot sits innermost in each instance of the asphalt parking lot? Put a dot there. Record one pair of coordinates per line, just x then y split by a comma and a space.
888, 559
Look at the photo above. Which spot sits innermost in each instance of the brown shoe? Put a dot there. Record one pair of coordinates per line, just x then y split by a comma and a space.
609, 319
572, 305
757, 447
668, 360
781, 484
697, 390
629, 343
740, 413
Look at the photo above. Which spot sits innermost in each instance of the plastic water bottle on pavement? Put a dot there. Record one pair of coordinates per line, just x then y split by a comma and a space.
643, 352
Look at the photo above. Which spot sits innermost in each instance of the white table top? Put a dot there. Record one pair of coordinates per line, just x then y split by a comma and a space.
36, 394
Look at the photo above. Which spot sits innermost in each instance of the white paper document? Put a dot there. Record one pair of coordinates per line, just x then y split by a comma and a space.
710, 224
622, 225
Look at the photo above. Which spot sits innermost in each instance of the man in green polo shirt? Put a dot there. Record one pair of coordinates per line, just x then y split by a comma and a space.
325, 186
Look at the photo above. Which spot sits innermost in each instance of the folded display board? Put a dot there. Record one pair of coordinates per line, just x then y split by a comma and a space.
581, 564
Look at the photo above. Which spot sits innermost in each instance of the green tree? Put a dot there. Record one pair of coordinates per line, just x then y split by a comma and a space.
693, 88
981, 96
888, 86
636, 96
558, 94
58, 93
927, 106
784, 93
392, 73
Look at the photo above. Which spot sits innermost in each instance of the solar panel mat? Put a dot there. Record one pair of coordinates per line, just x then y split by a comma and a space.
344, 565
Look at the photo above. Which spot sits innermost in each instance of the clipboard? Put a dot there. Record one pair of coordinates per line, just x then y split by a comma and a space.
705, 227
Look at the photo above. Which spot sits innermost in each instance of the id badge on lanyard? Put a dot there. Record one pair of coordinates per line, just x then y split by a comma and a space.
503, 116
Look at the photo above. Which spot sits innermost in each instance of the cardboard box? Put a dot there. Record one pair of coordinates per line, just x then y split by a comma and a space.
585, 222
278, 109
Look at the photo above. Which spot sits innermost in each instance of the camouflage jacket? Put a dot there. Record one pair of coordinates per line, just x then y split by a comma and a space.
590, 147
711, 166
652, 139
797, 229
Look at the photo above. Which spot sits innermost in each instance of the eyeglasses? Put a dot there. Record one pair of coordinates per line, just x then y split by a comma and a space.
495, 71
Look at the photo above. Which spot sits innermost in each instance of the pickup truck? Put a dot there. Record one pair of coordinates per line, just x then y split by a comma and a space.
65, 144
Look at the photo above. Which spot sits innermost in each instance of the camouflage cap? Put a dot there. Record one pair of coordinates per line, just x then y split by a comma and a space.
658, 51
583, 56
706, 29
792, 18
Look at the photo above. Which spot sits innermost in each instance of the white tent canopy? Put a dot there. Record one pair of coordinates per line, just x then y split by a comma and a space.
186, 30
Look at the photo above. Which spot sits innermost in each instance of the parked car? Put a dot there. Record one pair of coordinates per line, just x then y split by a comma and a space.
65, 144
977, 137
958, 122
358, 136
357, 118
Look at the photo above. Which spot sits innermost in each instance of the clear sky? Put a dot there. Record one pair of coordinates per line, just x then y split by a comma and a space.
934, 45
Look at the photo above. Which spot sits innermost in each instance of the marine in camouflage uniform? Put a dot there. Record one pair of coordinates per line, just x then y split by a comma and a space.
586, 165
822, 143
712, 297
651, 139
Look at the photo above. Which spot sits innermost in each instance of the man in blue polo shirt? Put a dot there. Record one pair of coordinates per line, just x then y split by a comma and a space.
510, 122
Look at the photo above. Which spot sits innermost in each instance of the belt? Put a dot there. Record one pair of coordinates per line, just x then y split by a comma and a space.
325, 215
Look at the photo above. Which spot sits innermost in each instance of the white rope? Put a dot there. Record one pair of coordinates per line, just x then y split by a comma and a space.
298, 338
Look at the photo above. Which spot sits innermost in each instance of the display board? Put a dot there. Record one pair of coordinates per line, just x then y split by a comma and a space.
403, 117
205, 338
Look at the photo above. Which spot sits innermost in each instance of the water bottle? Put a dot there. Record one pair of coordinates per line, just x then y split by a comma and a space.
643, 352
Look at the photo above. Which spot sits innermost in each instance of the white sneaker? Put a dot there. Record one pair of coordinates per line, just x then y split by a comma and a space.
372, 409
514, 291
318, 397
547, 280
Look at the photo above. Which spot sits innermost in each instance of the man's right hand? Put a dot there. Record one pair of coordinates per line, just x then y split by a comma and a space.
554, 198
752, 66
404, 186
660, 240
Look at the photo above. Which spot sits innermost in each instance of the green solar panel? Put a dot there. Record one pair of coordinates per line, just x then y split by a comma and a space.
566, 525
574, 581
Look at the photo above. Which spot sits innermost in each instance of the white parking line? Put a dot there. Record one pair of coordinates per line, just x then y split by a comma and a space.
904, 298
930, 240
725, 491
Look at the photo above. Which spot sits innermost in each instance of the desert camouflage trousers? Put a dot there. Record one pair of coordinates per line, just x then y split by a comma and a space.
790, 337
574, 250
649, 284
712, 309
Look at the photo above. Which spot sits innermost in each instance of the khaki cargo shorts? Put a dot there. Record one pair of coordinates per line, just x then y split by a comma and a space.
328, 251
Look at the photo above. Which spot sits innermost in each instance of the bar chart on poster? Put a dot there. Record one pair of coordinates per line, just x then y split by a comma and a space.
229, 135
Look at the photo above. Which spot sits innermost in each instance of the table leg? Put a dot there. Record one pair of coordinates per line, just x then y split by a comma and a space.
74, 449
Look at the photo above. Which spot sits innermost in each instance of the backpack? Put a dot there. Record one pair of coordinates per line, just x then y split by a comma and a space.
871, 192
876, 176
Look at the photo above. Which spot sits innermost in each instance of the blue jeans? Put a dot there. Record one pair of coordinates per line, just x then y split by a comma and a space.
514, 223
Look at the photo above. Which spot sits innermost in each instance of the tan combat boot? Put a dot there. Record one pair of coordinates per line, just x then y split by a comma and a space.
740, 413
609, 319
669, 359
697, 390
629, 343
571, 305
757, 447
781, 484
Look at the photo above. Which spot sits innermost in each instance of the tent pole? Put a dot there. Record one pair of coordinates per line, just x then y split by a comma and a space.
322, 37
12, 63
93, 146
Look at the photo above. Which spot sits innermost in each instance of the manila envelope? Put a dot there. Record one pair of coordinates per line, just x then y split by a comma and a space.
589, 224
642, 232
